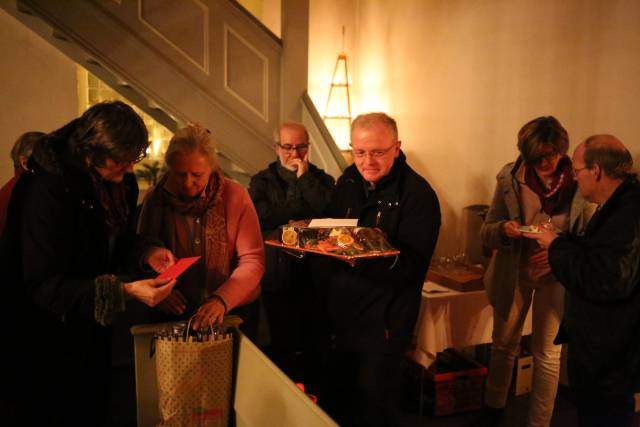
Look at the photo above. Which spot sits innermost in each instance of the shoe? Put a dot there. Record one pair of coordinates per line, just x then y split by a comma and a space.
489, 417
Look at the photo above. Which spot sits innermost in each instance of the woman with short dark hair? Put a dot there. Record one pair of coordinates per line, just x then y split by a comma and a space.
70, 260
537, 190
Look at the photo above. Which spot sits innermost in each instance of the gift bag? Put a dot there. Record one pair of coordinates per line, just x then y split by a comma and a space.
194, 377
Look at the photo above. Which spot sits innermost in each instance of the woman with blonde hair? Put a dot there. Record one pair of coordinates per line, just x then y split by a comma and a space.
195, 211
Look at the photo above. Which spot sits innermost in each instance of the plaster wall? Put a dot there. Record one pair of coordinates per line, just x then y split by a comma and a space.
461, 77
38, 90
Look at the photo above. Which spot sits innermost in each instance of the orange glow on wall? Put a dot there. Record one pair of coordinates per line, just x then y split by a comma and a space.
337, 115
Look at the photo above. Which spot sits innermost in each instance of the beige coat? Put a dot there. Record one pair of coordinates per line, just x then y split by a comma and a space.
502, 275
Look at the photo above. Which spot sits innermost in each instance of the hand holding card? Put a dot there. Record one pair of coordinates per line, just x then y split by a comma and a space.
178, 268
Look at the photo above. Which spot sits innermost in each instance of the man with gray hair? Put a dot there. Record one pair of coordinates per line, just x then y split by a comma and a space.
601, 273
290, 188
19, 154
371, 309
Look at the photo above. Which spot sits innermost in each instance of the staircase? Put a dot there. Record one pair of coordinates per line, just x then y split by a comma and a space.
205, 61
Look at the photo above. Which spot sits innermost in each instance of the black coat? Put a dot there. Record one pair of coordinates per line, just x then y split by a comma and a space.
601, 272
374, 305
55, 244
277, 201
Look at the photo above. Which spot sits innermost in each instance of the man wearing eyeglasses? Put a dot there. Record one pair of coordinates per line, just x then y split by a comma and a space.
291, 188
372, 307
601, 273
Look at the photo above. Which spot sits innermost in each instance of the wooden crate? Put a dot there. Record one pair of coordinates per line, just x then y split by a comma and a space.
459, 279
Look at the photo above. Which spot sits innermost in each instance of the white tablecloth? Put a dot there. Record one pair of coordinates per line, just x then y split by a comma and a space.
455, 319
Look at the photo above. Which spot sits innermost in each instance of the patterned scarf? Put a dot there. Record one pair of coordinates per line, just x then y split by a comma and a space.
211, 208
113, 199
561, 190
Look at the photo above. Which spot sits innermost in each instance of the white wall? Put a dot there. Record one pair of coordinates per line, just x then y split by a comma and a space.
38, 89
462, 76
327, 17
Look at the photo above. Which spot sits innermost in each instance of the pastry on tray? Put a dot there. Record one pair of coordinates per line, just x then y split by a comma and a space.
347, 243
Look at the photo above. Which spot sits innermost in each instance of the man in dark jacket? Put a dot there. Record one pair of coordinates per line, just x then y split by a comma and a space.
601, 272
371, 308
291, 188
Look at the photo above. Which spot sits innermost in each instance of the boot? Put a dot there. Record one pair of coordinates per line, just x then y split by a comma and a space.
489, 417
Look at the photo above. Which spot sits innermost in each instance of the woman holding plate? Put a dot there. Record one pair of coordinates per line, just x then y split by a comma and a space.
536, 190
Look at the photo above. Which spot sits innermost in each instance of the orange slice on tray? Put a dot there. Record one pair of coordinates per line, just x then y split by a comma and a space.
327, 246
345, 240
289, 237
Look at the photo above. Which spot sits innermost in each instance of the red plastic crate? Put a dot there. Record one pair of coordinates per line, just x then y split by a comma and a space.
458, 390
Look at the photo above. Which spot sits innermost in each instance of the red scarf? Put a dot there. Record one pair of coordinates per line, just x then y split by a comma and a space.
561, 190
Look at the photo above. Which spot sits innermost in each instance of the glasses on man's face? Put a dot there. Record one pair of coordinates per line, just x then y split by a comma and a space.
359, 154
298, 148
578, 170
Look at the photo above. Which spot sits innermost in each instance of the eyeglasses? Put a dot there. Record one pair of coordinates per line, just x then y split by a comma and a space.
375, 153
577, 171
138, 159
299, 147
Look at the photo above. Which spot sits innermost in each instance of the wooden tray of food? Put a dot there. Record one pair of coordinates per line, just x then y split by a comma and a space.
345, 243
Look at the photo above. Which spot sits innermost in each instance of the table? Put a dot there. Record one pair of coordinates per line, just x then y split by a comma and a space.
455, 319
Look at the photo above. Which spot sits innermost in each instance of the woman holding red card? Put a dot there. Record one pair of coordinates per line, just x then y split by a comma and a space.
195, 211
70, 259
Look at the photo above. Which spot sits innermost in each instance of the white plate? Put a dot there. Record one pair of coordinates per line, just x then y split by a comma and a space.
528, 229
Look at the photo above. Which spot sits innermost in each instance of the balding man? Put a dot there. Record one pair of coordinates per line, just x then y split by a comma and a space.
291, 188
371, 309
601, 273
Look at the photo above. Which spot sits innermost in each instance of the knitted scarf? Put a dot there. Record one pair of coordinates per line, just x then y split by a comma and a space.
211, 209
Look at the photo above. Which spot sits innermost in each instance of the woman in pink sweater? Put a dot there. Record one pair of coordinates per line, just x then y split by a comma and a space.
194, 210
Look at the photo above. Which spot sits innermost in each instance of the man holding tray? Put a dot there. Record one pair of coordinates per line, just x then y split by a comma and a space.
370, 309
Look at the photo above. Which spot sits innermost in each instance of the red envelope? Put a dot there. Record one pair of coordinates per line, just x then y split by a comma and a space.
178, 268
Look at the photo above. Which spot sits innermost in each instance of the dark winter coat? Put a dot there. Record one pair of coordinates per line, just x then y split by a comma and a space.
55, 244
278, 200
373, 306
601, 272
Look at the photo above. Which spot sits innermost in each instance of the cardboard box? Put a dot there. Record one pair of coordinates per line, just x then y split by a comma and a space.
455, 383
523, 375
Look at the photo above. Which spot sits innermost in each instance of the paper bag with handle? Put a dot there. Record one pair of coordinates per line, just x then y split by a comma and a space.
194, 375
